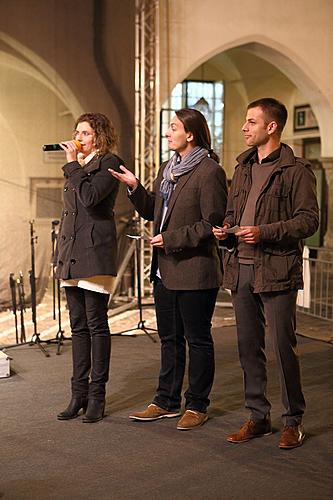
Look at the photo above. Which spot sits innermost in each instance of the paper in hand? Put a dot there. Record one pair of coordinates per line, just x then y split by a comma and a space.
232, 230
138, 237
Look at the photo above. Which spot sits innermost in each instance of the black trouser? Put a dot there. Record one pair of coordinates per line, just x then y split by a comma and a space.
91, 341
279, 308
185, 315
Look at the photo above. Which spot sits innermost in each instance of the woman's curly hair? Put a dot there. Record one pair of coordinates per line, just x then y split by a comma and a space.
106, 138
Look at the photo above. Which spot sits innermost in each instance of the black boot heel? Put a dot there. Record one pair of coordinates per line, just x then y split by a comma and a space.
95, 411
72, 410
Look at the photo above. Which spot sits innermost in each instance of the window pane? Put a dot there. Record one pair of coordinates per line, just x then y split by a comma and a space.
206, 97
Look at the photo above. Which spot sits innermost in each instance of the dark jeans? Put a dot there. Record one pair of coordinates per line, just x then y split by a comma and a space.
279, 309
91, 341
185, 315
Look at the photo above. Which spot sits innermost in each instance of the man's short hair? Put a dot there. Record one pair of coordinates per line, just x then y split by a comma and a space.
273, 109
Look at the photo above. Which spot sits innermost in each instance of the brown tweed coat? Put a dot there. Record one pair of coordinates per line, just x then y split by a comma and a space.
190, 259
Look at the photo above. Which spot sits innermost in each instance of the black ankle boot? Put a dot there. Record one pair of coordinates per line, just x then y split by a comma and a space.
95, 411
72, 410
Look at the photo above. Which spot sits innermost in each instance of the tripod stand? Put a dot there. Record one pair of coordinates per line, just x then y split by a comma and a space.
141, 324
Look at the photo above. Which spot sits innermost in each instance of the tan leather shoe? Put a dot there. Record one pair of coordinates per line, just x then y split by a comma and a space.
153, 412
251, 430
292, 436
191, 419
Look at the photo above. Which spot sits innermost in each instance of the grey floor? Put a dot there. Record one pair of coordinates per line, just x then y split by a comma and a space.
43, 458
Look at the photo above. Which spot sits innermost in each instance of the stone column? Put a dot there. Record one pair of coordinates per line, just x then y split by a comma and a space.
328, 167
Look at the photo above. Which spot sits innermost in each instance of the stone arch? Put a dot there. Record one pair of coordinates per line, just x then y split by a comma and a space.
293, 66
28, 61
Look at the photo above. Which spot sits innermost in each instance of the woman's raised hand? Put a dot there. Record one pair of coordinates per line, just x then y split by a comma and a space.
71, 149
127, 177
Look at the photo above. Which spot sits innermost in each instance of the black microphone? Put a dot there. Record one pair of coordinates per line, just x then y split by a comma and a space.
52, 147
57, 147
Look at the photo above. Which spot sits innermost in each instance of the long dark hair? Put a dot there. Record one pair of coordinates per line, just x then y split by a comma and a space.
105, 134
196, 123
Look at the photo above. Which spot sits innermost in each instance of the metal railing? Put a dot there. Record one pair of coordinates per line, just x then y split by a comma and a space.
317, 297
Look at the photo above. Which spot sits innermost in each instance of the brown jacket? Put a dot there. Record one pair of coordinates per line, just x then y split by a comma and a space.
286, 213
190, 259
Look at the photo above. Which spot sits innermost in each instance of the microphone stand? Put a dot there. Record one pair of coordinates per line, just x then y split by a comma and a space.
12, 284
35, 339
141, 324
56, 292
20, 285
53, 246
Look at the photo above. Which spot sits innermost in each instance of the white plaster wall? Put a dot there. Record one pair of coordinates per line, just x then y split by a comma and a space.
30, 116
58, 58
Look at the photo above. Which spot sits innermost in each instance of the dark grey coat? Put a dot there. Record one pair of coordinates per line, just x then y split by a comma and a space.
87, 240
190, 259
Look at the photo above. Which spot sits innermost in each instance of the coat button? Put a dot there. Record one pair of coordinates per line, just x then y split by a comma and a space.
72, 237
66, 212
66, 188
63, 237
73, 261
73, 213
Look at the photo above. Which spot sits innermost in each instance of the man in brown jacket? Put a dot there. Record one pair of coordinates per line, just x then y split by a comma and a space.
272, 201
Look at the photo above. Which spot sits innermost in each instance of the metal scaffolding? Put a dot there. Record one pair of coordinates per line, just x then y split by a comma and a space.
147, 119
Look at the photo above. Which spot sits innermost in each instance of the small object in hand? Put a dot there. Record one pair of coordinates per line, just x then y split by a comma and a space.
232, 230
138, 237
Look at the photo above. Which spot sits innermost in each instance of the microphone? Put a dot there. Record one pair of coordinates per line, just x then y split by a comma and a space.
57, 147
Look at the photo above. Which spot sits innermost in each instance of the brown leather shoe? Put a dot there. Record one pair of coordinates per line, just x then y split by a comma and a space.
191, 419
292, 436
153, 412
251, 430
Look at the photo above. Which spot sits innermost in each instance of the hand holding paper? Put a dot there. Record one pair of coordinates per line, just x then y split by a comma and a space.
232, 230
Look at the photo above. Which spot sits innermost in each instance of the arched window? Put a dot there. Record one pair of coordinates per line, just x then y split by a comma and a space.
205, 96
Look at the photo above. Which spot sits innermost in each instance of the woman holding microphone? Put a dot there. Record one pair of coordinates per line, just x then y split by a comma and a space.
87, 258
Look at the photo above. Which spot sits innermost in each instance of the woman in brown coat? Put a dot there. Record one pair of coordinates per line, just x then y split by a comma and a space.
189, 196
87, 258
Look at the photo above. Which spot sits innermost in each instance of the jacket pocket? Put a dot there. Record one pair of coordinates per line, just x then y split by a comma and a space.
103, 233
85, 237
282, 268
276, 203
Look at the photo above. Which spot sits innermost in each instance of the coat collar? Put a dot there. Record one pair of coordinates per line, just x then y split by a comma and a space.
287, 157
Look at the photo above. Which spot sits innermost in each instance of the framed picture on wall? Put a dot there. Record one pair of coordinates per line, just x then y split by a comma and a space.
304, 118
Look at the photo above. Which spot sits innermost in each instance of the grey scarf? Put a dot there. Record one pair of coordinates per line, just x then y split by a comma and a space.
178, 166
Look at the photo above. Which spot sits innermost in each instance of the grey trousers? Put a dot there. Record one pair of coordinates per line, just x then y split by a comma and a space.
279, 310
